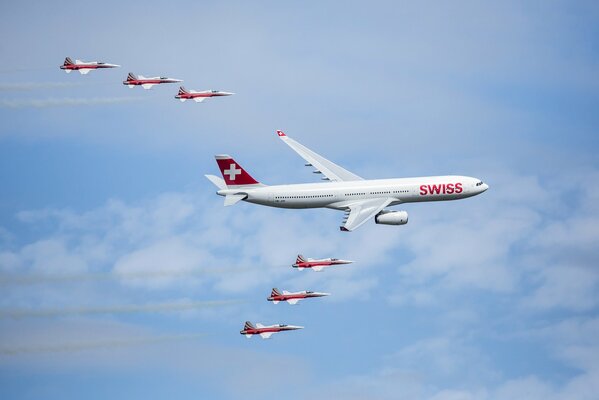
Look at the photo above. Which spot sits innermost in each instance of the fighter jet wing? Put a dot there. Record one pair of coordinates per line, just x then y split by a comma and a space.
147, 85
331, 170
199, 99
292, 301
362, 211
266, 335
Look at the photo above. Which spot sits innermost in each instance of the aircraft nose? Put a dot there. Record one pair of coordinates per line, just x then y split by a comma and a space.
484, 187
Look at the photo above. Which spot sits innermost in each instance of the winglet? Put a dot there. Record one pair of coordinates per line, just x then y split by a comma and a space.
280, 133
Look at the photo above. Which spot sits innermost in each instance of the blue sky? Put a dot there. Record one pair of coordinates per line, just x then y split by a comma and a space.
106, 218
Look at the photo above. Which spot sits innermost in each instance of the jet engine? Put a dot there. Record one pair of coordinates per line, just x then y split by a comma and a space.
391, 218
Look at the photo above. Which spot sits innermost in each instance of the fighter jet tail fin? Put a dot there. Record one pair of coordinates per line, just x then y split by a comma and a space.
182, 90
275, 292
68, 61
300, 259
234, 175
131, 76
248, 325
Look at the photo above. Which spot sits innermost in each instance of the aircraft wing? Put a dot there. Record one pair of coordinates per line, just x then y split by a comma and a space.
331, 170
362, 211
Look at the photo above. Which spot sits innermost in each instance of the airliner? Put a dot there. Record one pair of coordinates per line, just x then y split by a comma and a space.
359, 198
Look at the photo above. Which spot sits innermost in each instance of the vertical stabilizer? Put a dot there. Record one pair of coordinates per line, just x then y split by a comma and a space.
233, 173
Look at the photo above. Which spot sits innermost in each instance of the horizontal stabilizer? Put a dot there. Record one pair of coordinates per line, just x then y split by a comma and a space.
218, 182
231, 199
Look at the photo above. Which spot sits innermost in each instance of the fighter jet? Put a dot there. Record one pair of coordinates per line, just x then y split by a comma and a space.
83, 66
292, 298
317, 265
198, 97
265, 331
147, 83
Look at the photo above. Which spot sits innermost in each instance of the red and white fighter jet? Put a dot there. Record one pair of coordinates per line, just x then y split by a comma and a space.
265, 332
147, 83
317, 265
83, 66
199, 97
293, 297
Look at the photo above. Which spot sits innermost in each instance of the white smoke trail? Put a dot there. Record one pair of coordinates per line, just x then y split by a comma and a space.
68, 347
32, 279
117, 309
66, 102
25, 86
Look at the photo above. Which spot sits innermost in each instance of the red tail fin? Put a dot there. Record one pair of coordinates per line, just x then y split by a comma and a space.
300, 259
233, 173
131, 76
68, 61
275, 292
248, 325
182, 90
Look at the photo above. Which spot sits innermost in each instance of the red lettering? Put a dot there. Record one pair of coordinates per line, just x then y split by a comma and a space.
449, 188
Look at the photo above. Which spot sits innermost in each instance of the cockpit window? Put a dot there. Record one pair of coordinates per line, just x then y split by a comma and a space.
479, 183
214, 91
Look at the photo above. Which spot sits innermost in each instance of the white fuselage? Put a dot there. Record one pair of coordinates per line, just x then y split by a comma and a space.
338, 195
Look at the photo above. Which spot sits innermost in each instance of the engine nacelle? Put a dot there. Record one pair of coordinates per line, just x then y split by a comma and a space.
391, 218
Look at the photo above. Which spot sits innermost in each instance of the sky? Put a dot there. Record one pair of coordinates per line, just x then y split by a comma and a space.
122, 275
